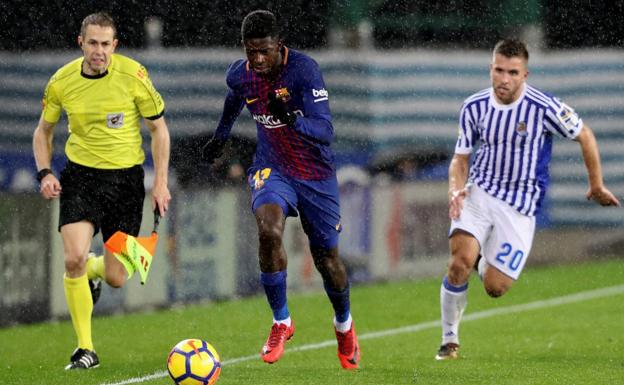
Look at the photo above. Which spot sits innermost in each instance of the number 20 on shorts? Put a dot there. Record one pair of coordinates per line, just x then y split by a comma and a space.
510, 257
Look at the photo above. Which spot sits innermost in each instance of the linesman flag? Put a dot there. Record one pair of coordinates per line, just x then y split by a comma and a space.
135, 253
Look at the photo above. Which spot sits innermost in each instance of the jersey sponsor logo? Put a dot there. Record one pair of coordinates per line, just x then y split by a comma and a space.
320, 95
521, 129
115, 120
270, 121
251, 100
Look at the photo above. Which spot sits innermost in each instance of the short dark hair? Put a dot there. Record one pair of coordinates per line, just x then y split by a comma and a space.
102, 19
260, 24
512, 48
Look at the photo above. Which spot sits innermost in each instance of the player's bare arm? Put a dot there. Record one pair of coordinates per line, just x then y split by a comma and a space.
160, 154
597, 190
50, 187
458, 174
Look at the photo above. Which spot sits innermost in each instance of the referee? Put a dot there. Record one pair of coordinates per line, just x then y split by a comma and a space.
104, 95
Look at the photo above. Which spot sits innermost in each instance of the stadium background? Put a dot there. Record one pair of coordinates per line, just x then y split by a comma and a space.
397, 72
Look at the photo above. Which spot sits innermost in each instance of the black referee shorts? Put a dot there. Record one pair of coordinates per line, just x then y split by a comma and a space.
110, 199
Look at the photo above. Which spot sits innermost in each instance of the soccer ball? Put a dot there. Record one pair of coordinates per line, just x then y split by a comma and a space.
194, 362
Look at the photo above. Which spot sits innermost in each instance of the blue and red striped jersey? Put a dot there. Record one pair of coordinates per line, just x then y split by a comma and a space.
301, 151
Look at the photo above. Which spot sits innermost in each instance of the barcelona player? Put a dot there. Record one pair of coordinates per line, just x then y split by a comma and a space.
292, 173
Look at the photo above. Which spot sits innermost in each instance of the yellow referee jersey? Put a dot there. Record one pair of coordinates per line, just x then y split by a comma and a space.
104, 111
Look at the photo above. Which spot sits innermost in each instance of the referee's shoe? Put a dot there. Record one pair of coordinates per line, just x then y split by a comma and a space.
83, 359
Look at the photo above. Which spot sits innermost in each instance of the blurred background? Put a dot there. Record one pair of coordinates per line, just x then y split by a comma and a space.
397, 73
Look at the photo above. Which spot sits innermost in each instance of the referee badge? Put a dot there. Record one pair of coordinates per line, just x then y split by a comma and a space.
521, 129
115, 120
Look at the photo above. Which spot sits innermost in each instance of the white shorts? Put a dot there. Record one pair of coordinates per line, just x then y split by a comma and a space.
504, 235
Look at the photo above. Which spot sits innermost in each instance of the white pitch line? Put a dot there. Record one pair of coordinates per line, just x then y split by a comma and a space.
557, 301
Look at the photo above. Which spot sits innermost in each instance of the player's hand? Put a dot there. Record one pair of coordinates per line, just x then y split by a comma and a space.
456, 201
212, 150
602, 196
50, 187
279, 109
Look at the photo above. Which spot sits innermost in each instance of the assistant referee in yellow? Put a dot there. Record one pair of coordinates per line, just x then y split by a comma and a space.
101, 188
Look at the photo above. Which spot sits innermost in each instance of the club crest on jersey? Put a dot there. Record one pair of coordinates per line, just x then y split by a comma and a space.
521, 129
283, 94
115, 120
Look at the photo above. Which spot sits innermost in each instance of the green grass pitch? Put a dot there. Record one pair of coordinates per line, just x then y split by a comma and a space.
557, 339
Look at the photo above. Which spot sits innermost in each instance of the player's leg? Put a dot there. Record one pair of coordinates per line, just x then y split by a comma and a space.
454, 290
496, 283
272, 201
270, 220
507, 249
76, 242
320, 216
467, 234
336, 283
272, 257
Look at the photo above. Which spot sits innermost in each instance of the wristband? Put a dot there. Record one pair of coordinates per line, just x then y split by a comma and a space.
42, 174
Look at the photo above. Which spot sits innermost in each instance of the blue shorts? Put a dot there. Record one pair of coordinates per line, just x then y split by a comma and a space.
316, 201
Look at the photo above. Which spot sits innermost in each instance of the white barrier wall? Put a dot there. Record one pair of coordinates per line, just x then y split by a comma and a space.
208, 247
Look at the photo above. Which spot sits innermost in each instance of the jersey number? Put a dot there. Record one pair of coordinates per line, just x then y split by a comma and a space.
509, 257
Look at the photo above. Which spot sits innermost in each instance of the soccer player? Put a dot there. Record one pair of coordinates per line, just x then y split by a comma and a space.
292, 173
492, 207
104, 95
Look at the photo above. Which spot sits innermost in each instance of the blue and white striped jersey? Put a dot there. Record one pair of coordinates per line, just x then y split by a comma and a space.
515, 143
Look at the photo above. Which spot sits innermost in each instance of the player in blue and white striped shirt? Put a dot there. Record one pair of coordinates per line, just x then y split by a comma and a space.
493, 206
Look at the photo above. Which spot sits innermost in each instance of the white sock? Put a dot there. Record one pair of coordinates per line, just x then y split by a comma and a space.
452, 304
343, 327
286, 321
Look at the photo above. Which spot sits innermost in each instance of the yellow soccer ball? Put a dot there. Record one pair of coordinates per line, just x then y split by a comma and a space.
194, 362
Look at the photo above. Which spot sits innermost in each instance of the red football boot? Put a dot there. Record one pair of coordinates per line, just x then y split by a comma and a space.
348, 348
274, 346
